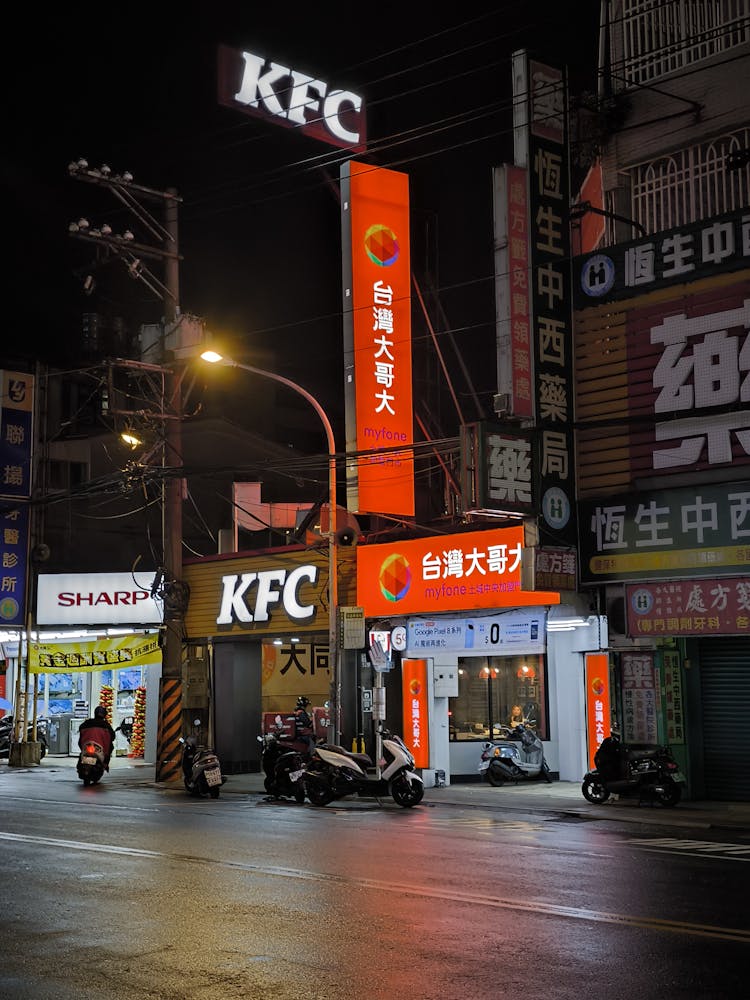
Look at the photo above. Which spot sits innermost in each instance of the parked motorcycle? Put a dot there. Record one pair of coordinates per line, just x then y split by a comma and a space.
92, 762
516, 756
645, 771
334, 772
6, 735
201, 769
283, 761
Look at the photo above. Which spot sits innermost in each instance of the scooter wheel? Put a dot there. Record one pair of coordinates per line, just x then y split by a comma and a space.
407, 793
319, 793
671, 795
299, 793
214, 791
594, 791
495, 778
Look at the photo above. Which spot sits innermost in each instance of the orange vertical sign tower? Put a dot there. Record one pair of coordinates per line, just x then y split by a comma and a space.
416, 722
377, 333
597, 701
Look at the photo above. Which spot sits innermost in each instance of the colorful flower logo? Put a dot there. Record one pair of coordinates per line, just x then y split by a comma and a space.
381, 245
395, 577
597, 686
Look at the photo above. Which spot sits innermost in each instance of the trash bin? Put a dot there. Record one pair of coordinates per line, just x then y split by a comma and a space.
58, 734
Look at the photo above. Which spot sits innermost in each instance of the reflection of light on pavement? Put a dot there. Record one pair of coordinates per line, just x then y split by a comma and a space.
426, 892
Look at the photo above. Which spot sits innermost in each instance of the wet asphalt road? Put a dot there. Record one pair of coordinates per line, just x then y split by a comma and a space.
171, 897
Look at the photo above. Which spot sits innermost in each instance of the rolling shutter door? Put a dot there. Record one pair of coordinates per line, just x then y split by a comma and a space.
725, 691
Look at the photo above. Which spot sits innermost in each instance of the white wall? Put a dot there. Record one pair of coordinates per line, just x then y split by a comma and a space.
567, 752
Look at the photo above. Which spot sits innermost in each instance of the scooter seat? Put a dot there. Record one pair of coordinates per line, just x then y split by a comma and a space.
362, 759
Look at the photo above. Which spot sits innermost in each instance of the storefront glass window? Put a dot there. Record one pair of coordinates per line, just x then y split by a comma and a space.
61, 691
496, 691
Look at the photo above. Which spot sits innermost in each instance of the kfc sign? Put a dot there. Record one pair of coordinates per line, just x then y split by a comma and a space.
257, 86
249, 597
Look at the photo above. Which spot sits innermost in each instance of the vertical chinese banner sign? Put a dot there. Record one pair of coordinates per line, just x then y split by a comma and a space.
675, 718
597, 701
16, 441
515, 360
543, 147
638, 698
416, 724
377, 339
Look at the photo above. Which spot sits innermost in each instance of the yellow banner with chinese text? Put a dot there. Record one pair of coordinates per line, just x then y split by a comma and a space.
96, 654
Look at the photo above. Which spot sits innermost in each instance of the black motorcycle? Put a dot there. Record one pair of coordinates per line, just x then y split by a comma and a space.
644, 771
6, 735
283, 761
201, 768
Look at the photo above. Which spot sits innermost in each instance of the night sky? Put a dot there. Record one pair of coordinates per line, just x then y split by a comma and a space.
134, 86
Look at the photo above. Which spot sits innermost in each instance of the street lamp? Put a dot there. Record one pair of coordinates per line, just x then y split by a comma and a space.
333, 588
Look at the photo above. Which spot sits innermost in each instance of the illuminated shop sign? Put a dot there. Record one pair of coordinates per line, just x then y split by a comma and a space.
597, 702
495, 635
257, 86
498, 469
250, 597
96, 599
415, 707
478, 569
542, 91
377, 339
16, 433
689, 607
668, 534
673, 256
14, 549
677, 377
97, 654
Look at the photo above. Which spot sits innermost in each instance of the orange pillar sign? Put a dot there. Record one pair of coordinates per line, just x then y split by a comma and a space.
416, 724
597, 701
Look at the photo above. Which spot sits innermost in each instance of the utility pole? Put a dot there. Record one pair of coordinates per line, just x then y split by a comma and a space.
132, 253
168, 764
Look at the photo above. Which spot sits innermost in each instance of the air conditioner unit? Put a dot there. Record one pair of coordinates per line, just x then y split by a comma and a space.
501, 403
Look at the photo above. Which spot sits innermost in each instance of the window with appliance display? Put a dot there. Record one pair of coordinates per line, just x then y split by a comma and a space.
497, 693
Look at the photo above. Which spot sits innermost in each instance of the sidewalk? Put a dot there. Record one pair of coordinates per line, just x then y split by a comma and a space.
561, 798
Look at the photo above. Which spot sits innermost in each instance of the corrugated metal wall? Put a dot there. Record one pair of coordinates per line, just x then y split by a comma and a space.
725, 691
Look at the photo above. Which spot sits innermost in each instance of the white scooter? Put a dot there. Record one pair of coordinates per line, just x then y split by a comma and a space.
517, 756
334, 773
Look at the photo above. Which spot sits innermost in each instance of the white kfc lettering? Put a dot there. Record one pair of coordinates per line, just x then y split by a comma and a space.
309, 100
271, 586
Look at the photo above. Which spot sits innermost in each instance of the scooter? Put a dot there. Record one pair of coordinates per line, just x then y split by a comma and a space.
6, 735
334, 773
283, 761
92, 762
517, 756
201, 769
646, 771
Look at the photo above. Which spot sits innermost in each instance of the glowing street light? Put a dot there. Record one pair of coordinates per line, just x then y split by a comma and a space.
333, 600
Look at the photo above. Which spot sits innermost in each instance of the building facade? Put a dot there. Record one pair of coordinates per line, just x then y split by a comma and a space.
662, 323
